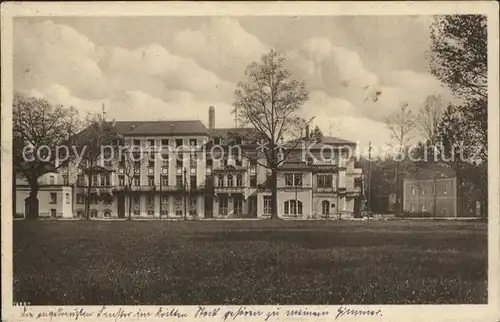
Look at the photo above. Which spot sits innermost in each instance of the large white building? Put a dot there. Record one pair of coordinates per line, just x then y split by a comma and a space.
202, 179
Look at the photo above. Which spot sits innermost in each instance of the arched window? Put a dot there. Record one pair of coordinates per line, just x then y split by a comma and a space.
107, 213
229, 180
220, 180
239, 180
293, 207
79, 214
93, 213
325, 207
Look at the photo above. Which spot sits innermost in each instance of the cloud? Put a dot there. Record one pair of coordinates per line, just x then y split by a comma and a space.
222, 46
336, 70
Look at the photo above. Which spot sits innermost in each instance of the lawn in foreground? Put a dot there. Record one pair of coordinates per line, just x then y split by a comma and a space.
249, 262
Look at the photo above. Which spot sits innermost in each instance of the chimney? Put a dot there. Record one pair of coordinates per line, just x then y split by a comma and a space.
307, 131
211, 117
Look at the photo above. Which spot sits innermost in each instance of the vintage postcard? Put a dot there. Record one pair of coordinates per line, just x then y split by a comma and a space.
250, 161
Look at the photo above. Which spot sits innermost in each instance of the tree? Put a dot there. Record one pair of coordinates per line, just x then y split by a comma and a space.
316, 134
131, 161
459, 53
93, 142
428, 120
400, 124
41, 137
268, 101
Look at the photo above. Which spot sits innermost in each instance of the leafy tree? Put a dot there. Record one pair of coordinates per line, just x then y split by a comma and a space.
94, 144
459, 53
268, 101
41, 134
316, 134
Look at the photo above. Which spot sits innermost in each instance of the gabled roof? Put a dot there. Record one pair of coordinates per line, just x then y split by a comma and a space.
188, 127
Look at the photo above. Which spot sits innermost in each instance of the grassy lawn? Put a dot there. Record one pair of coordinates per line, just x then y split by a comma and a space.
250, 262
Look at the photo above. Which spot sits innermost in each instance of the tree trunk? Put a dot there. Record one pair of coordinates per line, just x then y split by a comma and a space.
32, 201
398, 191
274, 193
129, 202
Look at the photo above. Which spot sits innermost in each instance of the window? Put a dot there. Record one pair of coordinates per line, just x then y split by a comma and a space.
121, 180
105, 180
253, 181
445, 188
107, 214
192, 161
268, 205
53, 197
178, 181
192, 206
422, 208
53, 213
293, 207
151, 143
165, 142
67, 198
151, 200
412, 208
220, 180
324, 181
94, 200
136, 200
238, 162
325, 207
192, 182
223, 201
80, 198
423, 191
178, 143
193, 142
66, 180
209, 162
179, 162
230, 181
293, 179
115, 142
52, 180
444, 212
164, 170
80, 179
178, 206
151, 166
239, 180
95, 180
93, 213
413, 191
238, 206
137, 142
164, 181
253, 169
137, 181
217, 141
151, 180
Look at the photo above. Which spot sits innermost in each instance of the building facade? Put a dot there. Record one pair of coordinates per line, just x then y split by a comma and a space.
431, 192
185, 170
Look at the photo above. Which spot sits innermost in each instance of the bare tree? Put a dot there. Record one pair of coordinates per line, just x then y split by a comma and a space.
93, 142
401, 124
41, 142
268, 101
428, 120
132, 159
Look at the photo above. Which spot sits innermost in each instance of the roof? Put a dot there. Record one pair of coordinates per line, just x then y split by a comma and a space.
188, 127
224, 132
435, 172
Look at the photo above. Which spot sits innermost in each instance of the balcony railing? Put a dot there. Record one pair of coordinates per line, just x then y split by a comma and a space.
227, 189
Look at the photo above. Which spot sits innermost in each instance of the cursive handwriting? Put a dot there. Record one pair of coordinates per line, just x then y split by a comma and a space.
343, 311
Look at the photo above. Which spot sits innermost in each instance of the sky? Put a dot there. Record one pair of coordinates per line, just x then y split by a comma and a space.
151, 68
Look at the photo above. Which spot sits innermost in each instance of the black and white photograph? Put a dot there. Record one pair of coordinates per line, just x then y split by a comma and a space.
212, 164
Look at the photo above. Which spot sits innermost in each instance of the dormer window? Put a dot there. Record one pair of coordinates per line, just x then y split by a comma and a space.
165, 142
193, 142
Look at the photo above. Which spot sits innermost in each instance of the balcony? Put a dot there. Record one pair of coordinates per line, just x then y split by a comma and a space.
99, 190
147, 188
226, 189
